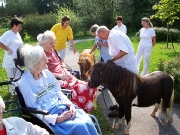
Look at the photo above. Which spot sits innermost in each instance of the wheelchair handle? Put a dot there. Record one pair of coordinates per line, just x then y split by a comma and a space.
5, 83
11, 81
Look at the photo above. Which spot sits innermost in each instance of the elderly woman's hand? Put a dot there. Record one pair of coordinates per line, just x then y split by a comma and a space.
73, 111
64, 116
70, 78
63, 77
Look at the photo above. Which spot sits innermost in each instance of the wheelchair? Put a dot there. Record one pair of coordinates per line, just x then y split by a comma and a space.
33, 115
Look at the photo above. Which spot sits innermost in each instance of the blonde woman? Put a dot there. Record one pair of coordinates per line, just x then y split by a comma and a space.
147, 42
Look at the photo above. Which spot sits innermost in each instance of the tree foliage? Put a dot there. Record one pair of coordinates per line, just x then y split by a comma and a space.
167, 10
102, 12
47, 6
19, 7
142, 8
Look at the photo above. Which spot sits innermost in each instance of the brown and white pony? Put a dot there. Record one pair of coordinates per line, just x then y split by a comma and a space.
86, 61
130, 89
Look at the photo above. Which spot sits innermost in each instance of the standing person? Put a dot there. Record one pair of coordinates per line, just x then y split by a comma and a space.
17, 126
122, 52
102, 45
147, 42
120, 26
9, 42
63, 31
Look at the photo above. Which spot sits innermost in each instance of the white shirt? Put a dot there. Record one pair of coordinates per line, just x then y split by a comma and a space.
121, 28
117, 41
13, 41
146, 36
43, 94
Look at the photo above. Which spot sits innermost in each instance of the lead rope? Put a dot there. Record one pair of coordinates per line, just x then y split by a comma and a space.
104, 99
103, 90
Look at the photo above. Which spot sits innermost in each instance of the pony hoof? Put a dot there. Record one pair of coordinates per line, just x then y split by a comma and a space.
152, 114
166, 121
126, 132
115, 127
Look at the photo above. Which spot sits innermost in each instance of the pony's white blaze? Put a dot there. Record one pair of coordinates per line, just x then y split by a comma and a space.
135, 101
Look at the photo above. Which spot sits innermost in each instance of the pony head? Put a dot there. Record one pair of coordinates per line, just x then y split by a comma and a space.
95, 75
84, 66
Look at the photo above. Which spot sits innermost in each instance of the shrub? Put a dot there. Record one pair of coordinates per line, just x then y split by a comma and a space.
35, 24
172, 68
161, 34
76, 22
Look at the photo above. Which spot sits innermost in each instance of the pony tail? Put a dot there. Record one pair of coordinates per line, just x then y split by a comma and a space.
150, 24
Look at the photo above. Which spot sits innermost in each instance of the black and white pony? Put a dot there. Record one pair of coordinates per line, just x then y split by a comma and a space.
130, 89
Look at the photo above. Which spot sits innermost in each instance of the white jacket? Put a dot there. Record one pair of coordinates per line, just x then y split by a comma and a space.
18, 126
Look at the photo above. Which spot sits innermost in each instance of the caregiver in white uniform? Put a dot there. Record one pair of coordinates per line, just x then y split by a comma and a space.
147, 42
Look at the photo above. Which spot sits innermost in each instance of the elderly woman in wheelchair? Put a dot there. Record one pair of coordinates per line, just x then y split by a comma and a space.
82, 95
41, 90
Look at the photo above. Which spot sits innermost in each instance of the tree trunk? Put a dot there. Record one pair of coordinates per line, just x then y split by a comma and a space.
167, 35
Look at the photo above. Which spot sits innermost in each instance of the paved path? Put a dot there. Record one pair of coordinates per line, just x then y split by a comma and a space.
141, 122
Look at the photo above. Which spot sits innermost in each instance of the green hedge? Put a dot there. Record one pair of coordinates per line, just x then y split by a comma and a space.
161, 34
35, 24
172, 68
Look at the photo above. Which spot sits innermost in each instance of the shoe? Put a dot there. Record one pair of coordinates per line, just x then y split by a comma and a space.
100, 88
113, 107
113, 114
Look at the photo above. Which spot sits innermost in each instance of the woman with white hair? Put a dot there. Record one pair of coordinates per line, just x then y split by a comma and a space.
41, 90
147, 42
18, 126
82, 95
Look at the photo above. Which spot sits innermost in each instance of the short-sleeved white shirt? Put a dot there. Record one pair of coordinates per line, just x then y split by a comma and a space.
121, 28
146, 36
13, 41
117, 41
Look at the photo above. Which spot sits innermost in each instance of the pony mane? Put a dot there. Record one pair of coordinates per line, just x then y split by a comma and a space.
119, 80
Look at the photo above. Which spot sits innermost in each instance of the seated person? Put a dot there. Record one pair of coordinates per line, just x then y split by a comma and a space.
82, 95
41, 90
18, 126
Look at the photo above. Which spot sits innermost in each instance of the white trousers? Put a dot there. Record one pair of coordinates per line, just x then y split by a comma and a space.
143, 51
12, 73
62, 53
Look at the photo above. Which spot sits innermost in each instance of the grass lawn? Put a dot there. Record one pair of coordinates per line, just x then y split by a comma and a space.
158, 53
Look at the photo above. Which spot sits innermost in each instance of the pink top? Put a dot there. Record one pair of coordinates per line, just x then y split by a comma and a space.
54, 64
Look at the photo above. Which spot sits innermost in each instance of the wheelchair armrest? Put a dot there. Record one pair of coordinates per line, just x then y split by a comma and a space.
34, 110
66, 91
